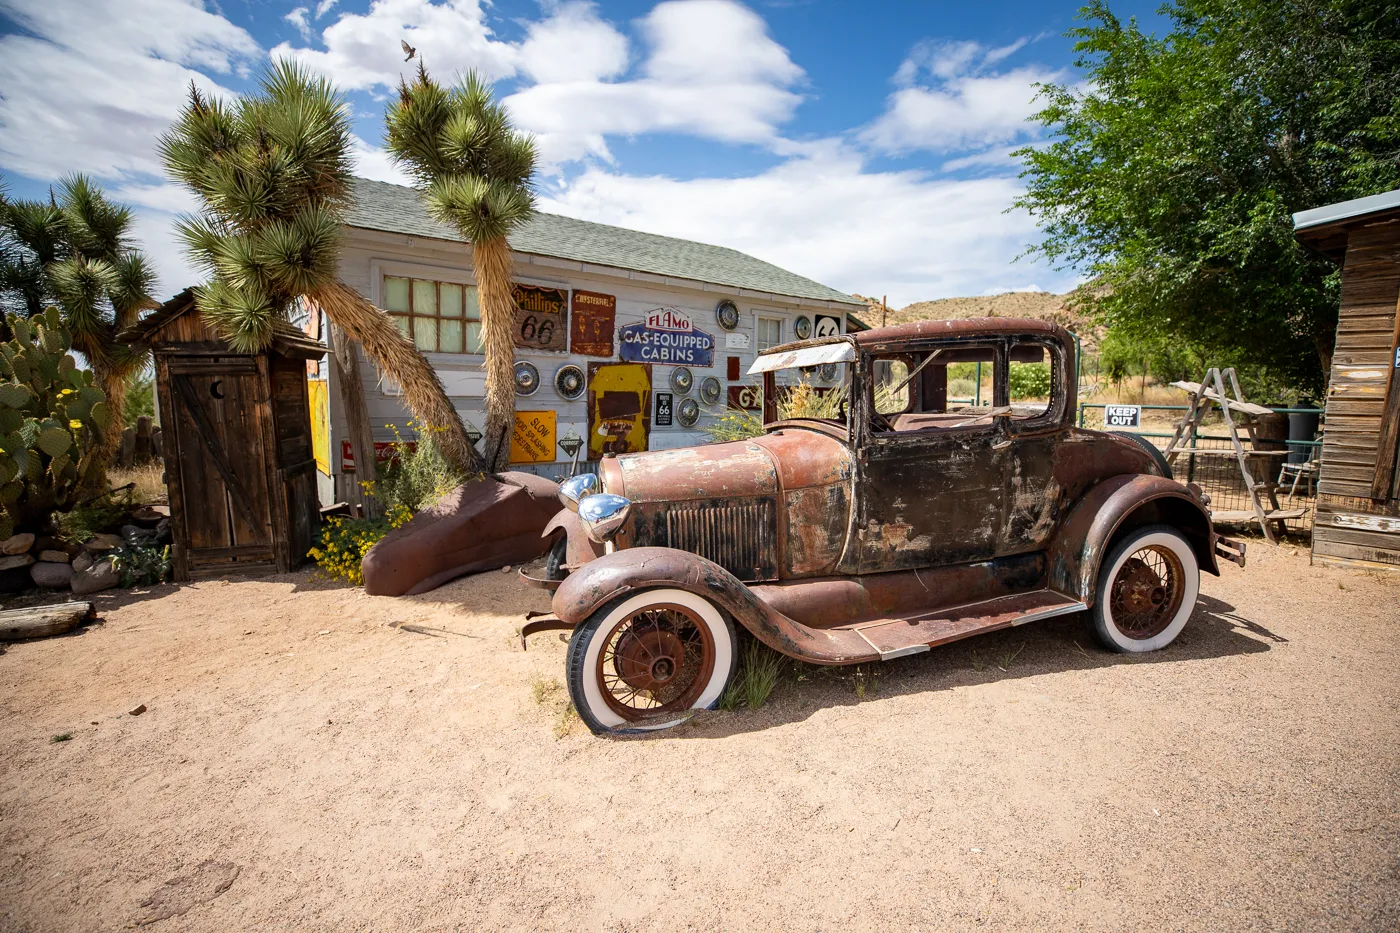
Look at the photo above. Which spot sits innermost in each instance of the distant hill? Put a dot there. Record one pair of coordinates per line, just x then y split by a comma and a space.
1041, 306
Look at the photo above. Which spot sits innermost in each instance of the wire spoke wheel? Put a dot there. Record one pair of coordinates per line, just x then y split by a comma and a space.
1147, 592
655, 661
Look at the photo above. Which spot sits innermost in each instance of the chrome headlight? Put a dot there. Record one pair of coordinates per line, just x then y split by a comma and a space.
576, 488
604, 515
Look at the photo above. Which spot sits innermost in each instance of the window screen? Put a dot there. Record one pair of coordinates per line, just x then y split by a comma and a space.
439, 317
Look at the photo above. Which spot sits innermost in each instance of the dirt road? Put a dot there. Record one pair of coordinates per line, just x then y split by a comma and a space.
315, 759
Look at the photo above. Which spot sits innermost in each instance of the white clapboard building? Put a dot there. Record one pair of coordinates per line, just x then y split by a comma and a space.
625, 340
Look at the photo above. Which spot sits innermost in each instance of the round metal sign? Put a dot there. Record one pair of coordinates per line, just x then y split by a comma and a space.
727, 314
802, 327
682, 381
527, 378
568, 380
826, 372
689, 412
709, 390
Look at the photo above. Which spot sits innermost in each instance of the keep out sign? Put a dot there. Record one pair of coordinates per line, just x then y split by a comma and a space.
666, 336
1122, 416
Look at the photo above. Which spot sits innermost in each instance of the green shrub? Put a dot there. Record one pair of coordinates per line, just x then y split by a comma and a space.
140, 399
82, 521
139, 564
416, 475
1029, 380
796, 401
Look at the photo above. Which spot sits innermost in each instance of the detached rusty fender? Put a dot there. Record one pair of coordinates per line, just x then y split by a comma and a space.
641, 568
1125, 502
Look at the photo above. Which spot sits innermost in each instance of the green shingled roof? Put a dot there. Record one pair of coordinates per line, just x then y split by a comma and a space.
396, 209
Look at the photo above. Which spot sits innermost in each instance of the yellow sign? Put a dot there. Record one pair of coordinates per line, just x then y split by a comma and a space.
619, 408
320, 424
533, 440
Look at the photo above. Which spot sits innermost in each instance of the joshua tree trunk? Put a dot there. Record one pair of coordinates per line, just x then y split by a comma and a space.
491, 260
399, 359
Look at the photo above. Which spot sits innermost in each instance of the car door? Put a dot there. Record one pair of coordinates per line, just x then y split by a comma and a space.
935, 494
1035, 498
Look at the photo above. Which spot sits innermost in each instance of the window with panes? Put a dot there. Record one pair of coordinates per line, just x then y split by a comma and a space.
770, 332
439, 317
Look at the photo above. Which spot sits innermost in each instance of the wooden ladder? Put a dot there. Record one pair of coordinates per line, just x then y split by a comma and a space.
1211, 391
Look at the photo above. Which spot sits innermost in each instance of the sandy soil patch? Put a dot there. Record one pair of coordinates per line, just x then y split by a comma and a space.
315, 759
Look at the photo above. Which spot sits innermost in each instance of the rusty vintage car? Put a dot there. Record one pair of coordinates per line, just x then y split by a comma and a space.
905, 522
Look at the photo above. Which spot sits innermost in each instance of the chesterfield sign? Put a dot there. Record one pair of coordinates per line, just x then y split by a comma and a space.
667, 336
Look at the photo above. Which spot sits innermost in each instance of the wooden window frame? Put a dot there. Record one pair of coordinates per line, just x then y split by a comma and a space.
410, 314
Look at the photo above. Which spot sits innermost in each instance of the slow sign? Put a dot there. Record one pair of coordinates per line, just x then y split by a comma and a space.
533, 439
541, 317
1122, 416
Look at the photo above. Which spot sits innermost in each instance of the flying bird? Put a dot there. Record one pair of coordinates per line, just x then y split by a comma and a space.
408, 50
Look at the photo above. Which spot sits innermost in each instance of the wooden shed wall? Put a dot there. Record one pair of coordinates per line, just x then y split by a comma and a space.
1351, 526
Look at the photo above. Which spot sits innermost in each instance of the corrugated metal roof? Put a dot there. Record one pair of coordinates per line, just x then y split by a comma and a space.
1346, 210
397, 209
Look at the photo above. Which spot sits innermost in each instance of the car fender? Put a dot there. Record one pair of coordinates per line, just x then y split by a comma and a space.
585, 590
1121, 503
580, 548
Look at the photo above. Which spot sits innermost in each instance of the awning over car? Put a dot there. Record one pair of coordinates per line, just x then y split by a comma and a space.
841, 352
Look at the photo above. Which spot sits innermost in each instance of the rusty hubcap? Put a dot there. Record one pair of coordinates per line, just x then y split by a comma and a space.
655, 661
1147, 591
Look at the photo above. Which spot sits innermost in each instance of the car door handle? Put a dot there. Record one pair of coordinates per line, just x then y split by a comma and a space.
1002, 445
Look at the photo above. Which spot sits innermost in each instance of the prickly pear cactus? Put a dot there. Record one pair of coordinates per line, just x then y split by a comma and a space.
51, 423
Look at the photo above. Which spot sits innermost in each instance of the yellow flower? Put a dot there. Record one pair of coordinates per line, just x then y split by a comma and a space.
74, 423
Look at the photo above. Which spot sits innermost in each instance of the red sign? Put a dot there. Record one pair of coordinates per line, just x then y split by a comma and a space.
384, 451
668, 319
540, 317
749, 398
591, 325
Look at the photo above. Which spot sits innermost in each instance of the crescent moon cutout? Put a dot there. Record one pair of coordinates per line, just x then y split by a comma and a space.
214, 389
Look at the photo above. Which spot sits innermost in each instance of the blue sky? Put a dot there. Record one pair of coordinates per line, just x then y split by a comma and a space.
862, 144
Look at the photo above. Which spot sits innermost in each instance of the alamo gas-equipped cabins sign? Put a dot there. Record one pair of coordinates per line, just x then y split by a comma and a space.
666, 336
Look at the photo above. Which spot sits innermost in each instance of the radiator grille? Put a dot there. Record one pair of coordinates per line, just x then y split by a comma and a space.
737, 537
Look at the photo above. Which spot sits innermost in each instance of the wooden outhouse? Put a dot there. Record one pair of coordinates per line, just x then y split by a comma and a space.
1358, 502
237, 442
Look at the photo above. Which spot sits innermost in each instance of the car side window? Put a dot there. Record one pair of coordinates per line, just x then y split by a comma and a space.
1036, 383
956, 386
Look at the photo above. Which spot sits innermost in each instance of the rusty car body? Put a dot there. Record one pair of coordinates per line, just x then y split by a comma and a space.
904, 523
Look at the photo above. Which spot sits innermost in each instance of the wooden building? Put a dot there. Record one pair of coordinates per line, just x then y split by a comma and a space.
237, 444
1358, 502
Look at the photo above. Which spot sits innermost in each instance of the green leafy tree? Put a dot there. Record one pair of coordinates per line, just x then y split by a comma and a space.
1178, 161
75, 252
474, 172
273, 172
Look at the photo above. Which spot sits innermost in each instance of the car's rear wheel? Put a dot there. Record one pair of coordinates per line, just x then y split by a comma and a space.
554, 560
1148, 585
1149, 448
642, 661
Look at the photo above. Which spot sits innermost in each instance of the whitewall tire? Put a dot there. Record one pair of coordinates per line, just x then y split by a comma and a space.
644, 660
1148, 585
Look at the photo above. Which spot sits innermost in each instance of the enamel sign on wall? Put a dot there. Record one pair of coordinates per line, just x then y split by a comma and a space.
541, 317
619, 408
666, 336
533, 439
591, 331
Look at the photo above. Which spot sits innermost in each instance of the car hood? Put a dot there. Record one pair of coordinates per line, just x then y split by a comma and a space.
761, 466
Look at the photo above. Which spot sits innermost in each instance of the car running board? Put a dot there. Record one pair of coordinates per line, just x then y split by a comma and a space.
894, 638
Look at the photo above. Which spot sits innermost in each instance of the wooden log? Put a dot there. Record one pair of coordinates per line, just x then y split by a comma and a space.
126, 453
143, 438
43, 621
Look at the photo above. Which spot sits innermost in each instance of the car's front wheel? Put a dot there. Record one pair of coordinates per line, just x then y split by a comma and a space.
1148, 585
641, 661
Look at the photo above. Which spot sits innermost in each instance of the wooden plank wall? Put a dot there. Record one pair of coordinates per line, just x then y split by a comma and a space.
1350, 526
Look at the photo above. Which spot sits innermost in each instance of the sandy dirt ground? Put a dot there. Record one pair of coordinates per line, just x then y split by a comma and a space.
315, 759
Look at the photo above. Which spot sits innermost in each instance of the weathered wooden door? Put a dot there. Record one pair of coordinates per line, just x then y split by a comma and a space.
221, 471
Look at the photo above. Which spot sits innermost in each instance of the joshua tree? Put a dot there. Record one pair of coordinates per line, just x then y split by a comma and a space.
74, 251
273, 172
473, 171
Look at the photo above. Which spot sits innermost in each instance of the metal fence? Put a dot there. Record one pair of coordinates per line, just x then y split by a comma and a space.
1219, 476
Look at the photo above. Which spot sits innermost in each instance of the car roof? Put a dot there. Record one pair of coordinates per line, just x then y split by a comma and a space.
962, 327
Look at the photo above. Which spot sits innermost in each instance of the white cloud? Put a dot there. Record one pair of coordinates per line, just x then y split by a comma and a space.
375, 163
362, 49
324, 7
90, 93
825, 216
573, 45
960, 103
682, 86
300, 19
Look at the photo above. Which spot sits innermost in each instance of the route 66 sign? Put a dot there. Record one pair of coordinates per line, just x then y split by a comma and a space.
541, 317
